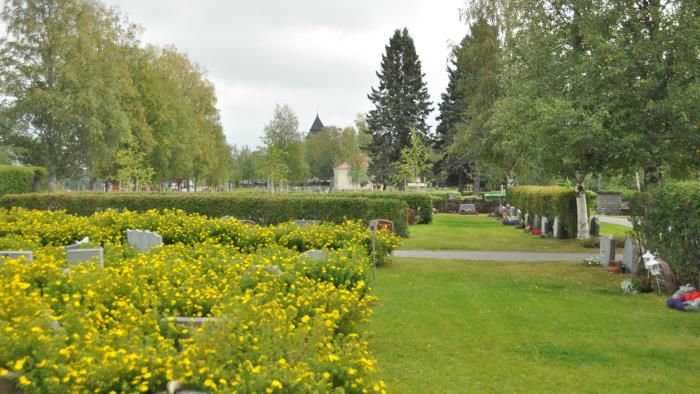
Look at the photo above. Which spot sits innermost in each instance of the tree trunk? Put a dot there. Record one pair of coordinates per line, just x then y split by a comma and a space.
460, 182
477, 182
581, 208
510, 179
52, 183
652, 176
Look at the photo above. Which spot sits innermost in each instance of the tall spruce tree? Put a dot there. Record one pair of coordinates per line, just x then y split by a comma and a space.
401, 104
452, 115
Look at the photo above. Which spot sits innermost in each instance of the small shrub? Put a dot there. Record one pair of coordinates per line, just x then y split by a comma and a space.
16, 179
549, 201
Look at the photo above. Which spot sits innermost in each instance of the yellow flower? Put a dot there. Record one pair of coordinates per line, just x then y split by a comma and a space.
24, 381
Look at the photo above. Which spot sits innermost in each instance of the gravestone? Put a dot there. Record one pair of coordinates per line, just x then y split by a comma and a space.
187, 321
467, 209
511, 212
17, 255
595, 227
316, 255
382, 224
546, 228
248, 222
305, 223
527, 219
631, 256
607, 250
7, 384
667, 279
452, 196
538, 222
143, 240
78, 244
75, 256
558, 229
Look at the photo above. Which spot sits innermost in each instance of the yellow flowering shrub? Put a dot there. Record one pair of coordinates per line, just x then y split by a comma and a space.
283, 322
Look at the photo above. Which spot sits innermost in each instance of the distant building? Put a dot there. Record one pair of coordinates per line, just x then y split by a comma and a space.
317, 126
342, 181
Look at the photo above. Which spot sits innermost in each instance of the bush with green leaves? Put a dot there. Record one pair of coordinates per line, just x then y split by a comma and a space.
668, 220
263, 209
16, 179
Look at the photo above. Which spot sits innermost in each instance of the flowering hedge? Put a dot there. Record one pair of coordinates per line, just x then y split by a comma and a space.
296, 328
261, 208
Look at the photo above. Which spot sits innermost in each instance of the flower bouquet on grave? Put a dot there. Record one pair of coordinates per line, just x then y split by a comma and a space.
535, 231
615, 267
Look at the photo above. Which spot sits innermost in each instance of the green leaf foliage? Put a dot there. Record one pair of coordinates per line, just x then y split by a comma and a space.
668, 219
15, 179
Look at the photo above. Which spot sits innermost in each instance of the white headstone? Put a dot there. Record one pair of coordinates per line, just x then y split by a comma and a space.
537, 222
316, 255
631, 256
75, 256
143, 240
17, 255
545, 226
469, 209
607, 250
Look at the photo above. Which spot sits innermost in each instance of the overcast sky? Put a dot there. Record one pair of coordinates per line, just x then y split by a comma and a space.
311, 54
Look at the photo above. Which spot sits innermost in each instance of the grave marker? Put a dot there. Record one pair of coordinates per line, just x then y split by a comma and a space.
595, 227
380, 224
558, 229
17, 255
546, 228
75, 256
631, 256
143, 240
538, 222
316, 255
607, 250
467, 209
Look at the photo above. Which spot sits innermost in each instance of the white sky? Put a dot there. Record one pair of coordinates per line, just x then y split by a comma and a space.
311, 54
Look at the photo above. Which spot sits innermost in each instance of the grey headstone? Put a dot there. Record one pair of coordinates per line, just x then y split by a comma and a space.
7, 384
304, 223
248, 222
271, 269
527, 219
316, 255
511, 212
16, 255
468, 209
75, 256
631, 256
191, 321
595, 227
143, 240
607, 250
546, 227
558, 229
537, 223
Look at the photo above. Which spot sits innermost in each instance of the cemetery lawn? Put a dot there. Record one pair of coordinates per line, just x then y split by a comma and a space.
482, 233
455, 327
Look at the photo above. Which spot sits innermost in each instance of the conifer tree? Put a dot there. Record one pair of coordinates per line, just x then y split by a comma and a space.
401, 104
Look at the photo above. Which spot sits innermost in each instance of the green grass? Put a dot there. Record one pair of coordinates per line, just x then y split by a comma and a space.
461, 232
613, 229
456, 327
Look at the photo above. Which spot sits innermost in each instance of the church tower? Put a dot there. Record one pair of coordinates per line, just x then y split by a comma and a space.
317, 126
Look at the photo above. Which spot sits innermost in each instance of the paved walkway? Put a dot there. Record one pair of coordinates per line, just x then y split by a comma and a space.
495, 256
614, 220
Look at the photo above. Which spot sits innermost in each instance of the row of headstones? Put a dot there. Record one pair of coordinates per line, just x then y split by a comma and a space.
75, 254
630, 257
555, 228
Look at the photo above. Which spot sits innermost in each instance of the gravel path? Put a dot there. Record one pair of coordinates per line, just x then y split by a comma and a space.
495, 256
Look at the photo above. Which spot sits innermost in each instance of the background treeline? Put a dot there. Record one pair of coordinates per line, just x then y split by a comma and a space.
81, 96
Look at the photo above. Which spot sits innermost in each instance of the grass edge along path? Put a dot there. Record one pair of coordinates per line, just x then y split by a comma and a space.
456, 327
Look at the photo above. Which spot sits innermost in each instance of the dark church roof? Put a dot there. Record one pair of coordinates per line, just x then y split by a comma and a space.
317, 126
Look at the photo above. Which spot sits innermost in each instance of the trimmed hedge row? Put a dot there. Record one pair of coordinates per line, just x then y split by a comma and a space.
16, 179
422, 203
668, 219
549, 201
264, 209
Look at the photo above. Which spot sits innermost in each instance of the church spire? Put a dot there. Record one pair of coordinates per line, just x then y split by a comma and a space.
317, 126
